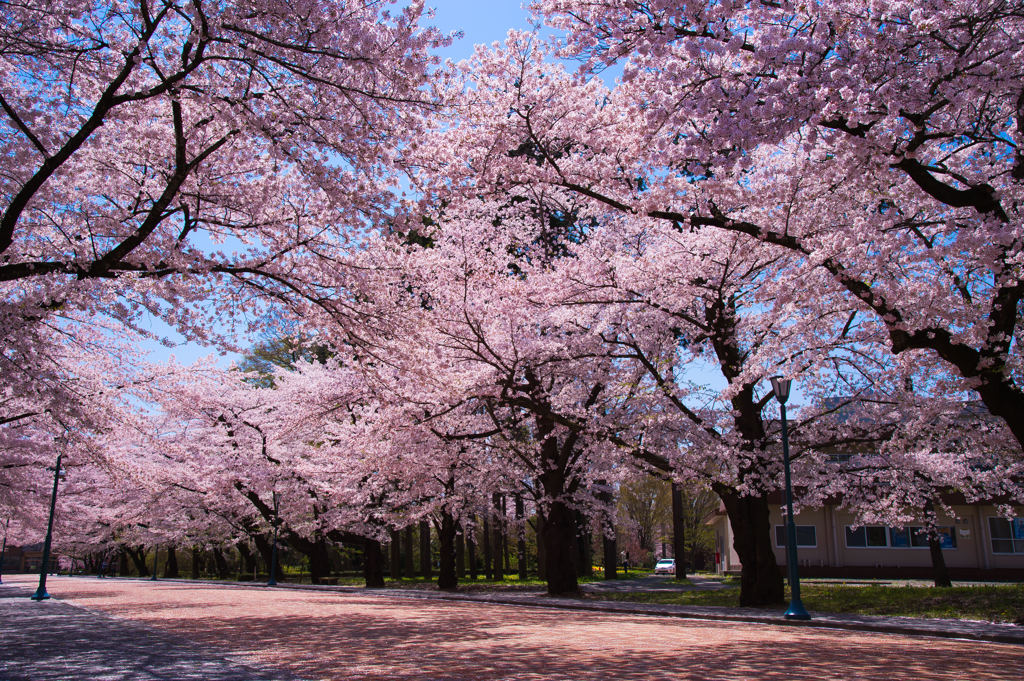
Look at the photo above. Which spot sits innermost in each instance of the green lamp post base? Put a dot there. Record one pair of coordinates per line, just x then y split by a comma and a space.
796, 611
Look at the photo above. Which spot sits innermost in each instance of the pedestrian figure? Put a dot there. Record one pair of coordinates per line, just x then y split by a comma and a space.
103, 570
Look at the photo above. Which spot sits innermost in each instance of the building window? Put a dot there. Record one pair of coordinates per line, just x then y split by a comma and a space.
806, 535
866, 536
1007, 535
880, 537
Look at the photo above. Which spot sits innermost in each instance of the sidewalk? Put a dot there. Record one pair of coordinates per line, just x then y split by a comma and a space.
52, 640
936, 628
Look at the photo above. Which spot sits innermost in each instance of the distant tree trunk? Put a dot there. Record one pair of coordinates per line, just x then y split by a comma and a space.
504, 535
574, 544
499, 568
138, 557
941, 574
396, 556
521, 539
373, 564
760, 580
265, 546
123, 569
316, 551
197, 562
678, 532
410, 567
221, 563
447, 577
538, 531
425, 566
471, 551
487, 550
171, 566
460, 551
247, 558
611, 557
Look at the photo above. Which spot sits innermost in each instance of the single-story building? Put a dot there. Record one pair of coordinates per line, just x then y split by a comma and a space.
978, 543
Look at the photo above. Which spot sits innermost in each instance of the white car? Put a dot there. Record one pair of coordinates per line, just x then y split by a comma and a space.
665, 566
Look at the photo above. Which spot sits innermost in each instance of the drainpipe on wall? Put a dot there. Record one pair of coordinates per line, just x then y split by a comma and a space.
981, 538
835, 538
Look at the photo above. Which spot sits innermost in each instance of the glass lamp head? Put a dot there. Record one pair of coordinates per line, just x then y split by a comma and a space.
780, 386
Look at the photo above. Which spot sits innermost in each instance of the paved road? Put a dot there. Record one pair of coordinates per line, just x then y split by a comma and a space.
289, 633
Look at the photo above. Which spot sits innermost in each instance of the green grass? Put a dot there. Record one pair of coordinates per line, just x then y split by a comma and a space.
984, 603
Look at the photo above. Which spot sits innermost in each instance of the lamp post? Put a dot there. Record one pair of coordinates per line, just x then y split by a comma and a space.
796, 611
273, 552
40, 594
3, 550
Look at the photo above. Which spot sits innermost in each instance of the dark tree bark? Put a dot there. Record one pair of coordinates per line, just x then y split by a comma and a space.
487, 550
521, 539
496, 532
471, 553
504, 535
678, 532
611, 557
247, 558
198, 560
265, 545
396, 555
583, 541
559, 530
760, 580
373, 564
460, 552
171, 566
941, 574
123, 570
138, 557
410, 567
316, 551
541, 553
425, 564
221, 563
447, 577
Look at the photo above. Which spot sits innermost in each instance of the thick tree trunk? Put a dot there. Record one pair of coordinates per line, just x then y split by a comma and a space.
678, 532
373, 564
410, 567
122, 564
396, 555
171, 566
521, 539
487, 550
425, 564
221, 563
559, 530
941, 574
447, 577
460, 552
138, 557
760, 581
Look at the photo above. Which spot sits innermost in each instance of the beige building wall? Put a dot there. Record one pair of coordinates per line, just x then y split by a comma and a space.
970, 524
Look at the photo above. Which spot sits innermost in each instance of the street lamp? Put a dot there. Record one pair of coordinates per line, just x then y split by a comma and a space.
40, 594
273, 553
796, 611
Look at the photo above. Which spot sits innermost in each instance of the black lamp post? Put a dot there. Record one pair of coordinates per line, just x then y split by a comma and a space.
4, 549
796, 611
273, 552
40, 594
